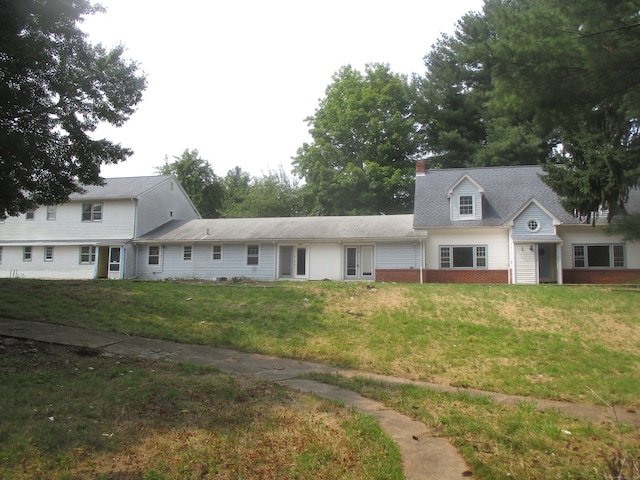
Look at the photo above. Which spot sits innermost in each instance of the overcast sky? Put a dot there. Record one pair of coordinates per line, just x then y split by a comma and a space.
236, 79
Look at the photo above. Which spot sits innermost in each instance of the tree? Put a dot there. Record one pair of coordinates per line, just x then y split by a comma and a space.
199, 181
364, 143
272, 195
55, 88
572, 67
453, 109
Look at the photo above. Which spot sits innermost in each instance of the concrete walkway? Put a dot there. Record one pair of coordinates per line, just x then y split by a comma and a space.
425, 456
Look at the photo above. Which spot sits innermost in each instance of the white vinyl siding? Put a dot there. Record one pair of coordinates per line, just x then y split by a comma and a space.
533, 213
66, 264
403, 255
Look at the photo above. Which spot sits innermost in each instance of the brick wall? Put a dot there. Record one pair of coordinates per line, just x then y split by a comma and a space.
466, 276
600, 276
398, 275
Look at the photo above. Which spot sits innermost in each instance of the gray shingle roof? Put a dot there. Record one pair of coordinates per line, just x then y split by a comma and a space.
118, 188
286, 229
506, 189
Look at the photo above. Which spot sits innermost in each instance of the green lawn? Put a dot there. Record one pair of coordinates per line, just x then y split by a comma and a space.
557, 342
575, 343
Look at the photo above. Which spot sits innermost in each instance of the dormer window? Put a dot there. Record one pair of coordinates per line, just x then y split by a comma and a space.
465, 199
466, 205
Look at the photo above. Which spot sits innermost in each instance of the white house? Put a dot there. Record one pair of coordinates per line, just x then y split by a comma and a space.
91, 235
505, 225
382, 248
470, 225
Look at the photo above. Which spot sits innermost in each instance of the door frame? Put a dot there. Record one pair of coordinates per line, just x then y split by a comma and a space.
290, 254
359, 262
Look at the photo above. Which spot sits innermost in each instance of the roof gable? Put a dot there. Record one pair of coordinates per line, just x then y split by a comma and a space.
465, 177
506, 191
525, 206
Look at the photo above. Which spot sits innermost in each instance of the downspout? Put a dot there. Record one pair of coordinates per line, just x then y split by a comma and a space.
421, 261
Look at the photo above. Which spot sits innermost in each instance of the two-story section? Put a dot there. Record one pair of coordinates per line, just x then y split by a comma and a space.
505, 225
91, 235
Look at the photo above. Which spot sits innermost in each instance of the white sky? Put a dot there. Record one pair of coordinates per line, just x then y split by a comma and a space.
236, 79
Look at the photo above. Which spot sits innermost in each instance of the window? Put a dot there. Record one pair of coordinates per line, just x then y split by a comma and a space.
26, 254
463, 257
91, 212
533, 225
216, 254
0, 255
598, 256
154, 255
466, 205
30, 215
253, 254
48, 254
87, 255
187, 253
51, 212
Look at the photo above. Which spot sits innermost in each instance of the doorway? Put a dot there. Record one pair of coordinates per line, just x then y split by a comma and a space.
293, 261
359, 262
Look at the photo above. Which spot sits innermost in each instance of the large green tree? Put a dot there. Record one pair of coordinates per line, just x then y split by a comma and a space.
364, 142
453, 109
55, 88
573, 68
199, 181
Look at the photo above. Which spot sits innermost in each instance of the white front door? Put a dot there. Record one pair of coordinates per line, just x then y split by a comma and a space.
293, 261
115, 258
359, 262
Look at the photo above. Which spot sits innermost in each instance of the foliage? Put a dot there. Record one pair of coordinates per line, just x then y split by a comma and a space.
55, 89
364, 142
199, 181
571, 67
272, 195
453, 109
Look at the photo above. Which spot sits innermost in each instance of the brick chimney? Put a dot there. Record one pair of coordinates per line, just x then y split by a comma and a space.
420, 168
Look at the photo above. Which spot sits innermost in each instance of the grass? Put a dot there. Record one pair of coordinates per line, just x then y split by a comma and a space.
501, 442
556, 342
72, 413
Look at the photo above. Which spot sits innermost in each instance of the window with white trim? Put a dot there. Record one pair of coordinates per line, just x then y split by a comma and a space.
51, 212
91, 212
468, 256
216, 253
30, 215
0, 255
253, 254
154, 254
27, 253
187, 253
48, 254
465, 205
87, 255
598, 256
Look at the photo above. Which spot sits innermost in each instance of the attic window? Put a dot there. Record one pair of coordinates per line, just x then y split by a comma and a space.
533, 225
466, 205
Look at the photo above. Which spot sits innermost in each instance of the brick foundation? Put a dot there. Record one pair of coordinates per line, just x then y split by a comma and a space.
410, 275
600, 276
466, 276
